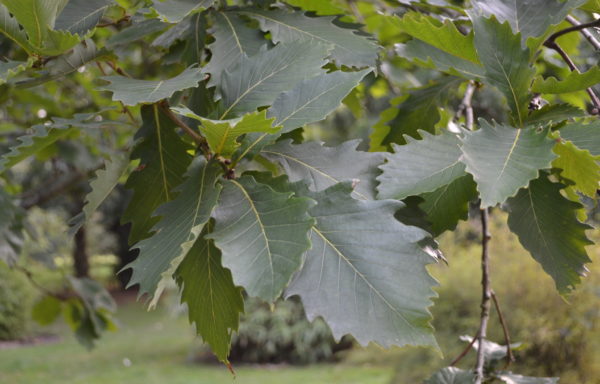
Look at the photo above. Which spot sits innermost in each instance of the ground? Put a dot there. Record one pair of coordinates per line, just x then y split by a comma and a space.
157, 348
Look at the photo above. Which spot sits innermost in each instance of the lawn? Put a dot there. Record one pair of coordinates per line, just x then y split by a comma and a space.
156, 347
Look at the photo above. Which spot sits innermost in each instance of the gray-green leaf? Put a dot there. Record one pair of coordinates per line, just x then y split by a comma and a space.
322, 167
365, 273
80, 16
173, 11
451, 375
584, 136
547, 226
262, 235
503, 159
421, 166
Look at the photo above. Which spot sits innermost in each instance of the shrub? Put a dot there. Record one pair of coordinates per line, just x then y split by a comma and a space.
282, 334
16, 301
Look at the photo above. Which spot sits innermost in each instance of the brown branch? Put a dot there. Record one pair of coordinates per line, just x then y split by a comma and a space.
509, 354
485, 297
464, 352
125, 109
199, 140
554, 45
574, 28
593, 41
29, 275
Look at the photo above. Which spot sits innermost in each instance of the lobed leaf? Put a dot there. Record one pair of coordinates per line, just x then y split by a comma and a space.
257, 81
452, 375
578, 166
547, 226
384, 302
573, 82
173, 11
503, 159
349, 48
584, 136
321, 167
163, 161
182, 221
80, 16
421, 166
10, 27
262, 235
134, 91
214, 302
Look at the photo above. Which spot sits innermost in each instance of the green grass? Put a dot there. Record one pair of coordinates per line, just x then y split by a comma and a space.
161, 349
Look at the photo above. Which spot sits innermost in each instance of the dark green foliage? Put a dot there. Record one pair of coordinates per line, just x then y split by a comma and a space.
16, 302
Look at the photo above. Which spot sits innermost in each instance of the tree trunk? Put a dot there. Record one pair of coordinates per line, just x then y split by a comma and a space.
80, 255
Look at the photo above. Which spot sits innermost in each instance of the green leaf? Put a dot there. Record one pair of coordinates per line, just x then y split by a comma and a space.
66, 64
451, 375
222, 134
530, 18
233, 41
578, 166
573, 82
163, 161
42, 137
385, 301
418, 112
173, 11
443, 36
511, 378
322, 167
137, 31
46, 310
492, 352
134, 91
547, 226
421, 166
9, 26
428, 56
37, 17
553, 113
506, 63
11, 68
320, 7
584, 136
262, 235
349, 48
106, 180
81, 16
309, 101
503, 159
182, 220
256, 81
11, 236
446, 206
214, 302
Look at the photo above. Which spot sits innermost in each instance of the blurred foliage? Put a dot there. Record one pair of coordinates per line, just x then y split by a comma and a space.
16, 301
282, 334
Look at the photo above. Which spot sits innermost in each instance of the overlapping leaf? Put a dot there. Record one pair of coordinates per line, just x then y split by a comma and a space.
80, 16
173, 11
134, 91
385, 301
584, 136
349, 48
421, 166
182, 220
106, 180
322, 167
553, 113
443, 36
262, 235
506, 63
547, 226
578, 166
163, 161
11, 29
258, 80
11, 68
137, 31
214, 302
446, 206
309, 101
222, 134
417, 112
320, 7
503, 159
233, 41
573, 82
